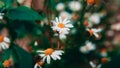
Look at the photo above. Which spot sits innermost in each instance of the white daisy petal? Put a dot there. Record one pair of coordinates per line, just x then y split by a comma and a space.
54, 22
62, 36
55, 28
96, 35
98, 30
58, 52
60, 20
92, 64
44, 58
40, 51
53, 57
69, 25
66, 21
57, 20
65, 29
6, 45
58, 57
48, 59
35, 66
7, 39
2, 46
42, 55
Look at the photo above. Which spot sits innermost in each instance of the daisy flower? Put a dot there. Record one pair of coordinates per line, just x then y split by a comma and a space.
4, 42
65, 14
94, 18
60, 6
62, 26
50, 53
75, 5
94, 31
88, 47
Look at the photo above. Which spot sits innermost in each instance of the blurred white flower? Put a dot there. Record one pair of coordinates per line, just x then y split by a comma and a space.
4, 42
36, 43
94, 31
63, 34
73, 31
116, 26
89, 46
65, 14
50, 53
62, 26
1, 16
75, 5
60, 6
94, 18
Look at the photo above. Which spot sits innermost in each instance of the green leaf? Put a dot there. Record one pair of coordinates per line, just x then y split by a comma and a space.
23, 13
8, 3
1, 4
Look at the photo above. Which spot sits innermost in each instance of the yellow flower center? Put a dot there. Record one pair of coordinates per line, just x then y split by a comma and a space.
61, 25
49, 51
91, 32
6, 63
1, 39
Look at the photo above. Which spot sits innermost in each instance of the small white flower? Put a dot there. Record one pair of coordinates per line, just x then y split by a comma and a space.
116, 26
50, 53
75, 5
94, 18
1, 16
36, 43
94, 31
65, 14
62, 26
88, 47
36, 66
4, 43
62, 36
60, 6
